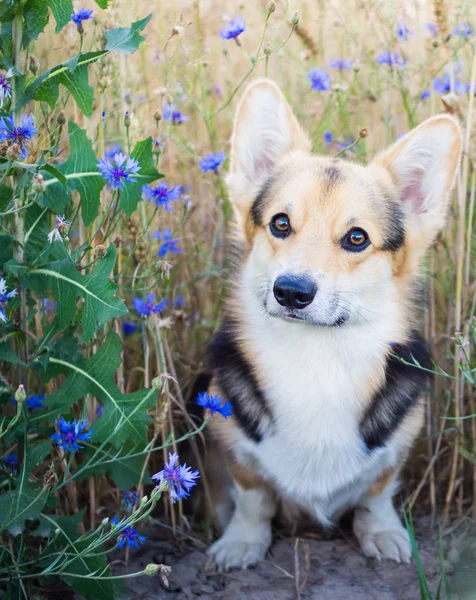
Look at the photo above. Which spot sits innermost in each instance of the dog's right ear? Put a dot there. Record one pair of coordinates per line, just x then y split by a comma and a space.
265, 129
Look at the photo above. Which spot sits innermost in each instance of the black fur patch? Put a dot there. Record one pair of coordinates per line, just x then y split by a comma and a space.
238, 382
399, 393
331, 176
395, 229
259, 203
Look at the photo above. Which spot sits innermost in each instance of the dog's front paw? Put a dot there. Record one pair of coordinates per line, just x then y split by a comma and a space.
229, 553
394, 544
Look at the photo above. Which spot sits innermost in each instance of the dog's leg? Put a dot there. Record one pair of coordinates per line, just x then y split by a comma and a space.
248, 534
377, 525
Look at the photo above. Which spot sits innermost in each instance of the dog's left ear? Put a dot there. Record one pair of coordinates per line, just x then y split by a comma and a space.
423, 166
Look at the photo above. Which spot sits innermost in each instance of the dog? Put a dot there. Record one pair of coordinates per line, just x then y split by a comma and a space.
318, 352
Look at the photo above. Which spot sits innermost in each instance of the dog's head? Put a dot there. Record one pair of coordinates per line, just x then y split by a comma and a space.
331, 242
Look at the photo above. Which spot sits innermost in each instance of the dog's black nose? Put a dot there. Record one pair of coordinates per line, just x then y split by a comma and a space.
294, 291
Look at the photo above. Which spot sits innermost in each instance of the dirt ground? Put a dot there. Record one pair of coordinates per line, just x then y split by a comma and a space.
310, 566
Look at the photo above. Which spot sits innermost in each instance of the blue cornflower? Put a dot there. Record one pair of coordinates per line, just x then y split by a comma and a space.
4, 297
212, 161
112, 149
432, 29
320, 80
233, 29
425, 94
463, 30
149, 306
11, 461
391, 59
5, 86
128, 536
214, 404
83, 14
18, 135
402, 32
130, 499
129, 328
170, 113
99, 410
60, 230
328, 138
162, 195
70, 433
442, 85
119, 171
180, 302
344, 64
168, 243
35, 402
48, 305
179, 478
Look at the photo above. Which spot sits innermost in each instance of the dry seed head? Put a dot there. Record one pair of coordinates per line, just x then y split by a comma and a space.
38, 183
61, 118
13, 152
157, 116
100, 251
363, 133
304, 35
33, 64
177, 30
440, 9
271, 7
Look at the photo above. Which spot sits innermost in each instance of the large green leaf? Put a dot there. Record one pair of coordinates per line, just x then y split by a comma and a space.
35, 19
61, 10
126, 39
81, 174
124, 414
67, 284
132, 193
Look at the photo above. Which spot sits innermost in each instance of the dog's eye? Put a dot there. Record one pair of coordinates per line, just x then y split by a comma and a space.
280, 225
355, 240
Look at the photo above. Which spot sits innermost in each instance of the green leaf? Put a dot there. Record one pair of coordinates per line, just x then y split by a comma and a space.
35, 19
80, 173
54, 171
102, 3
6, 249
6, 196
126, 39
7, 354
62, 10
132, 193
124, 414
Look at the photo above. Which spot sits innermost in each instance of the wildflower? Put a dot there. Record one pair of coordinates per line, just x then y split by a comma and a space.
180, 302
38, 183
5, 86
21, 135
170, 113
463, 30
60, 230
130, 499
129, 328
328, 137
214, 404
128, 536
99, 410
344, 64
4, 297
157, 145
234, 28
48, 305
425, 94
320, 80
70, 433
11, 462
391, 59
35, 402
442, 85
113, 149
119, 171
162, 195
432, 29
212, 161
149, 306
178, 478
83, 14
168, 243
402, 32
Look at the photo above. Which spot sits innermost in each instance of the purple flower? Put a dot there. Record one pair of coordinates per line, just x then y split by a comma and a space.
170, 113
99, 410
344, 64
233, 29
70, 433
180, 302
48, 305
20, 135
162, 195
328, 137
432, 29
60, 230
150, 305
112, 149
168, 243
11, 462
320, 80
212, 161
463, 30
391, 59
402, 32
35, 402
83, 14
129, 328
158, 144
130, 499
128, 536
425, 94
5, 86
214, 404
119, 171
4, 297
179, 478
442, 85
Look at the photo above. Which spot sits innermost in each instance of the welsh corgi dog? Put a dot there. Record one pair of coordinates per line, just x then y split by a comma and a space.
319, 345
